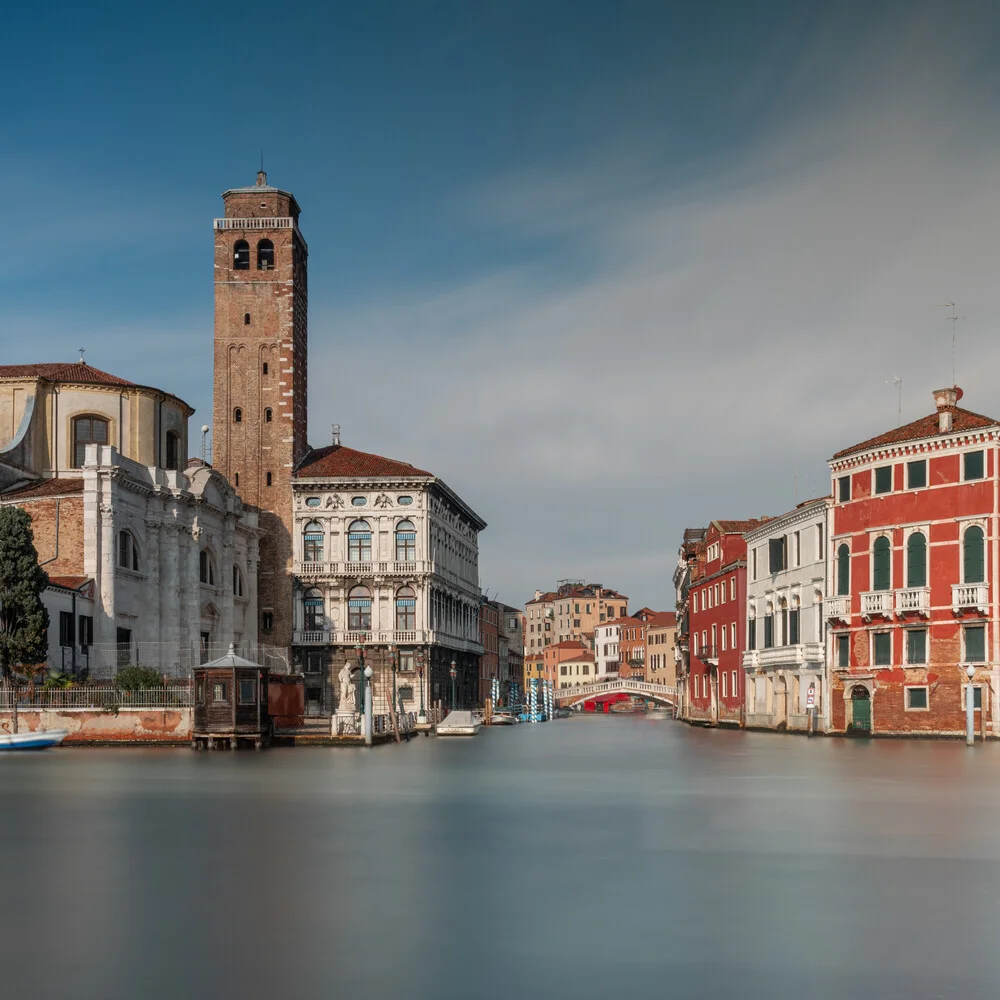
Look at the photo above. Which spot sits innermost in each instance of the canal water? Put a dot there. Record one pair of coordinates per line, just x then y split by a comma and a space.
591, 857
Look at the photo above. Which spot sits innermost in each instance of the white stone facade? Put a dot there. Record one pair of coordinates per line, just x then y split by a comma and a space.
785, 658
606, 656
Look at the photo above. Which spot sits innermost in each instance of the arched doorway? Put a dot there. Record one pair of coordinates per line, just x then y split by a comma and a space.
861, 709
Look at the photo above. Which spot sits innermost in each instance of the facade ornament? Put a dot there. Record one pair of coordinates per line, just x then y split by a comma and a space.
334, 501
383, 501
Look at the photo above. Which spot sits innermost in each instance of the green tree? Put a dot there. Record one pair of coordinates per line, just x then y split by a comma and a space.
24, 622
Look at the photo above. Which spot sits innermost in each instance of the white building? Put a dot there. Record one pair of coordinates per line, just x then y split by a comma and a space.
785, 659
150, 562
386, 566
606, 658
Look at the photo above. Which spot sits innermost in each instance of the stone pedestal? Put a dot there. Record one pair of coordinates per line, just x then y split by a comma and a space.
345, 723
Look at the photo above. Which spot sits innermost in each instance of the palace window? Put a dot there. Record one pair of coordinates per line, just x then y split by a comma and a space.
881, 558
406, 542
882, 649
206, 568
265, 255
973, 555
844, 489
843, 570
406, 609
916, 560
768, 631
916, 645
359, 542
312, 542
241, 256
128, 551
973, 466
793, 626
359, 609
843, 641
751, 633
266, 621
883, 479
916, 698
237, 582
87, 430
313, 618
916, 474
173, 450
974, 643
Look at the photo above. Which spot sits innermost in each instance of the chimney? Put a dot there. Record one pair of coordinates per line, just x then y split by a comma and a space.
336, 434
261, 179
945, 400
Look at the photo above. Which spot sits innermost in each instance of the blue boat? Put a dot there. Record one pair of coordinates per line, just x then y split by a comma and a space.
40, 740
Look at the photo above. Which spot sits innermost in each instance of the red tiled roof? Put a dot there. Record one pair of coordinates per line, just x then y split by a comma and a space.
741, 527
336, 460
69, 582
619, 621
662, 619
57, 371
544, 598
569, 644
925, 427
45, 488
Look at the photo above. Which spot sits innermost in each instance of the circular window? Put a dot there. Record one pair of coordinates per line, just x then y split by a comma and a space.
404, 501
359, 501
312, 501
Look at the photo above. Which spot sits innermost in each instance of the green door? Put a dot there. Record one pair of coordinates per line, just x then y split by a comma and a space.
861, 719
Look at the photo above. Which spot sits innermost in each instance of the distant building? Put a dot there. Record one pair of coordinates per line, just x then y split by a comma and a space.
572, 612
569, 664
785, 656
913, 576
152, 558
661, 629
489, 638
606, 640
511, 621
687, 560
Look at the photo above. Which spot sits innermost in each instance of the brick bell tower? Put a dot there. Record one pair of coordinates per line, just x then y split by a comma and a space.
259, 416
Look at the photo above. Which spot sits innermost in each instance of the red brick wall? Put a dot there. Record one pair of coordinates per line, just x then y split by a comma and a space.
43, 513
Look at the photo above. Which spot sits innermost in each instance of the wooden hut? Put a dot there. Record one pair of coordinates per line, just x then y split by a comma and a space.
230, 703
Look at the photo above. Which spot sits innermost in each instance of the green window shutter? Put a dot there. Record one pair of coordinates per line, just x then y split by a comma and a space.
974, 468
916, 646
843, 570
843, 650
883, 649
975, 643
881, 555
844, 489
883, 479
793, 627
916, 474
973, 561
916, 560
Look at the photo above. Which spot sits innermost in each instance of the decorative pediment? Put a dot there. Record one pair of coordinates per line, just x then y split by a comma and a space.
209, 610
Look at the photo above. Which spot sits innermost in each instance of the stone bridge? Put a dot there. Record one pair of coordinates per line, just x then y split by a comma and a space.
663, 693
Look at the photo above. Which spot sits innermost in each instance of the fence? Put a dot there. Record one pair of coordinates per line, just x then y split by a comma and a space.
381, 724
96, 697
102, 661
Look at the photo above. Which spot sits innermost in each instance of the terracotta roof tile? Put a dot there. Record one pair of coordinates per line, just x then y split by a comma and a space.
44, 488
741, 527
336, 460
73, 371
662, 619
69, 582
925, 427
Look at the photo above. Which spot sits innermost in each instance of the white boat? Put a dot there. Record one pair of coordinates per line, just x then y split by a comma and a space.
503, 719
32, 741
459, 723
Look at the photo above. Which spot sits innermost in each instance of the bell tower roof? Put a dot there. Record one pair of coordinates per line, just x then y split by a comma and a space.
262, 188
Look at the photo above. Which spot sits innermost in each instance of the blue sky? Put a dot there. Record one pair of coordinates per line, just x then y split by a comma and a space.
609, 269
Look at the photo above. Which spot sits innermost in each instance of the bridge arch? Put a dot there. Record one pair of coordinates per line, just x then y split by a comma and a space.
662, 694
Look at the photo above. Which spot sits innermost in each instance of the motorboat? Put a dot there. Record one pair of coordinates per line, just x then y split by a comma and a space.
40, 740
459, 723
503, 719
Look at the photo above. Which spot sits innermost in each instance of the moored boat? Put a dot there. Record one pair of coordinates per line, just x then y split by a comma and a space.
32, 741
459, 723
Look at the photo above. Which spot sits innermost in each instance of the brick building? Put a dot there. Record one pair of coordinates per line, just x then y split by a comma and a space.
717, 625
489, 639
914, 575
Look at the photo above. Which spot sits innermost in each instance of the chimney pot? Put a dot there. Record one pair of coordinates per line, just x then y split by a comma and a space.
336, 434
945, 400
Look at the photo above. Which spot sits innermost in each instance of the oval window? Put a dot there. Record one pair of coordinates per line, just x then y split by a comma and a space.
404, 501
312, 501
359, 501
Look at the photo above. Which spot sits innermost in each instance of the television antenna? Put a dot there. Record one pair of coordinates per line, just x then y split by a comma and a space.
897, 381
954, 317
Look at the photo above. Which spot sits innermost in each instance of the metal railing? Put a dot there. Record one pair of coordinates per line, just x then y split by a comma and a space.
95, 697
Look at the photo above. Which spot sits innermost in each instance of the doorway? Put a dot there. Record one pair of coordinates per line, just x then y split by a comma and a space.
861, 709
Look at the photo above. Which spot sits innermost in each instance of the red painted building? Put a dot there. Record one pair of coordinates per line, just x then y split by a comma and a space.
913, 574
717, 625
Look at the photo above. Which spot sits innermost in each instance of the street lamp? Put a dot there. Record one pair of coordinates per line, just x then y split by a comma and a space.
970, 707
360, 651
454, 675
422, 717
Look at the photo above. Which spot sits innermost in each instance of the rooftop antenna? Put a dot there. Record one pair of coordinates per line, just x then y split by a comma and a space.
897, 381
83, 351
954, 317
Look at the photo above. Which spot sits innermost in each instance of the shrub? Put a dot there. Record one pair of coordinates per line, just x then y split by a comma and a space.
137, 678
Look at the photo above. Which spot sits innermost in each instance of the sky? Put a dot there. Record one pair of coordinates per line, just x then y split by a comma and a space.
608, 269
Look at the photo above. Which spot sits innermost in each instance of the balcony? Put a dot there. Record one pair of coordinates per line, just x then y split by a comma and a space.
749, 660
877, 604
914, 601
312, 570
708, 654
802, 654
970, 596
837, 608
313, 637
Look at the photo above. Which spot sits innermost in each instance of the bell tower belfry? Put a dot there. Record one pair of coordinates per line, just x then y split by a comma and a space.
259, 412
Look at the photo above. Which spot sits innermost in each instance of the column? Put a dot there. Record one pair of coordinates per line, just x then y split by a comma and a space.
170, 593
151, 624
106, 628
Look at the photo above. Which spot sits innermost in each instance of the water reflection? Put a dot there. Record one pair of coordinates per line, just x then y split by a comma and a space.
580, 858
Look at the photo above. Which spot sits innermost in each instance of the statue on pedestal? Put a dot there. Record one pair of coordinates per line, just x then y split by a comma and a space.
348, 691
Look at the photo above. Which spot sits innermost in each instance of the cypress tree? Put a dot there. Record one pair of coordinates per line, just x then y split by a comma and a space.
24, 622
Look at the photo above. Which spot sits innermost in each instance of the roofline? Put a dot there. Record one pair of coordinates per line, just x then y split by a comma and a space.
798, 513
949, 439
114, 386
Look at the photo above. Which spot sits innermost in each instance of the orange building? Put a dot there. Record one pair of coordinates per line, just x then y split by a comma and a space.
568, 663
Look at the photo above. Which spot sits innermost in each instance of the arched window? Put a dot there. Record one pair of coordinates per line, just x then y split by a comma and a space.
843, 570
265, 255
881, 570
359, 542
312, 542
87, 430
406, 542
313, 618
206, 568
359, 609
973, 555
237, 416
916, 560
267, 415
173, 450
237, 582
406, 609
241, 256
128, 551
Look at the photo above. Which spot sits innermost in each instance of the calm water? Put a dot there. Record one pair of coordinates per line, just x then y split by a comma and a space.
584, 858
